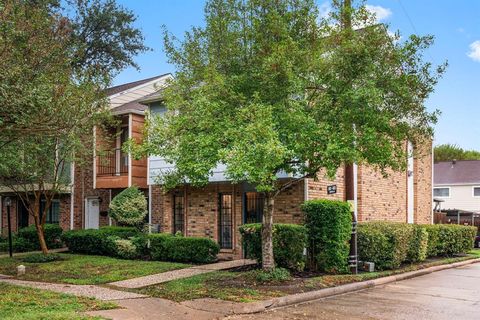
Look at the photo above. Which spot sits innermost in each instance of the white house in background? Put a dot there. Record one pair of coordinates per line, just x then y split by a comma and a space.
457, 184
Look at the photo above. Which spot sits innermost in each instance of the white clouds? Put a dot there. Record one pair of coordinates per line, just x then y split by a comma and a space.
381, 13
475, 51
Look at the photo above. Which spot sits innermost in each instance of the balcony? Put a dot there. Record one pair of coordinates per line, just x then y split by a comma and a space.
113, 163
112, 169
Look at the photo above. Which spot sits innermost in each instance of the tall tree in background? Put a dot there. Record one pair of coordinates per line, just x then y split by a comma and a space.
267, 86
51, 95
450, 152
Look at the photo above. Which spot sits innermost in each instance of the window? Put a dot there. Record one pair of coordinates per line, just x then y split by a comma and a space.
178, 213
225, 223
441, 192
53, 213
476, 191
253, 207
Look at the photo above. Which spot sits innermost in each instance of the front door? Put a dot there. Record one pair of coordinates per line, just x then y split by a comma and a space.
92, 213
22, 215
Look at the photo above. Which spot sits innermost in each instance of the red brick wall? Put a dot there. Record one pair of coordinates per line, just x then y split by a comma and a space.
318, 189
201, 209
423, 183
382, 198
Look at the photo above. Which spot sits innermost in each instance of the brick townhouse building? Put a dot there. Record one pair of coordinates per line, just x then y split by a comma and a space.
216, 210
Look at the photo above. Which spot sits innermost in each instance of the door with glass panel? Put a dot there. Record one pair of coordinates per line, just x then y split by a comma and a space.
225, 221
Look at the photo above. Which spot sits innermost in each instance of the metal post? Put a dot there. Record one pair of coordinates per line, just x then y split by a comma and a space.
8, 203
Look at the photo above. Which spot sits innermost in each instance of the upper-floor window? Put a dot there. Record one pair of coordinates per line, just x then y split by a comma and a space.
476, 191
441, 192
158, 108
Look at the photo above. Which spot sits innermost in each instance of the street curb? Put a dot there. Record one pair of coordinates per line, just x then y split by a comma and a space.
347, 288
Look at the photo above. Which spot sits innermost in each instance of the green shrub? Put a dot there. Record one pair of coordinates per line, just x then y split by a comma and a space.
450, 239
275, 275
386, 244
418, 247
329, 227
125, 249
42, 258
97, 242
129, 207
18, 245
166, 247
289, 242
52, 234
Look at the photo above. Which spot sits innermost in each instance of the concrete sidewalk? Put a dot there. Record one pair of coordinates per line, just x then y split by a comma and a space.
181, 273
91, 291
155, 308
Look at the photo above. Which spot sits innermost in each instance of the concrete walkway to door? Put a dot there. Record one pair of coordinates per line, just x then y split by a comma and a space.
181, 273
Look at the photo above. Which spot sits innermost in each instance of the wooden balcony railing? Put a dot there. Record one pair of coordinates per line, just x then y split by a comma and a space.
112, 163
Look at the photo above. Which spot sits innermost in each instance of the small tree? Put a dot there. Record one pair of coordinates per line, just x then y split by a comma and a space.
50, 104
269, 87
450, 152
129, 207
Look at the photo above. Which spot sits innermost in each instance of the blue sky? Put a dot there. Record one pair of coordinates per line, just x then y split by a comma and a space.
455, 24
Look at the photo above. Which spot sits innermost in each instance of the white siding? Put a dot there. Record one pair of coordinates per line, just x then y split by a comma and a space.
461, 197
139, 92
158, 165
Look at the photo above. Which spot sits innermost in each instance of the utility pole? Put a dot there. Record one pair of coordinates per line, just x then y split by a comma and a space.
350, 169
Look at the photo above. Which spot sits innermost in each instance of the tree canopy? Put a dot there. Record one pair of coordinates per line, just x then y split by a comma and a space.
450, 152
270, 86
52, 97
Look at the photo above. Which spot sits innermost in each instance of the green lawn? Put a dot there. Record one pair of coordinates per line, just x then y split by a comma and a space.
85, 269
29, 304
243, 286
224, 285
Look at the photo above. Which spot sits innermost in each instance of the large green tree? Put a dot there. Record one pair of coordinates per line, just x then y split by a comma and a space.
450, 152
269, 86
52, 97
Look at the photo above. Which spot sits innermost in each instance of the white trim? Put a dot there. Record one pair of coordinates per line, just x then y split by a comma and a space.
355, 191
440, 185
118, 154
164, 78
130, 123
440, 197
127, 111
72, 195
149, 209
473, 191
305, 191
110, 201
94, 157
433, 180
410, 184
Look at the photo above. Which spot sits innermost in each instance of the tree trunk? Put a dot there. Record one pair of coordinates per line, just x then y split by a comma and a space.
268, 261
39, 227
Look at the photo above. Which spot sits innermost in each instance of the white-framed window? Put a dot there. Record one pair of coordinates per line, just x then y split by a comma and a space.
476, 191
441, 192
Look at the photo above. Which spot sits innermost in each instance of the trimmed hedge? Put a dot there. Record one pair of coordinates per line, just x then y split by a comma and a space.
450, 239
27, 239
289, 242
418, 246
385, 244
97, 242
167, 247
329, 227
51, 232
389, 245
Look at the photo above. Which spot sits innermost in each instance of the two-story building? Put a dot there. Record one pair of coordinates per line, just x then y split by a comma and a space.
457, 185
218, 209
